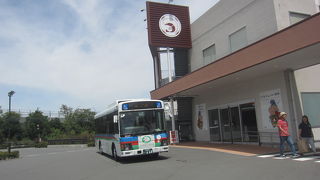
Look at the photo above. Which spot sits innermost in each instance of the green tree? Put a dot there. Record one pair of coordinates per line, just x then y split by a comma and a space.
79, 121
37, 124
11, 127
2, 137
85, 119
56, 124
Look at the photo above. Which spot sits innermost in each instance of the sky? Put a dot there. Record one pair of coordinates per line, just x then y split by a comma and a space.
81, 53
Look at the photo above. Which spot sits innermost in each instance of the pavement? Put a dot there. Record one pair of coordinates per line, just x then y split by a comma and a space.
238, 149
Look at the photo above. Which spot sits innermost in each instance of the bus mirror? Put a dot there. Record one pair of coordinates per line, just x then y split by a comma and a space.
167, 106
115, 119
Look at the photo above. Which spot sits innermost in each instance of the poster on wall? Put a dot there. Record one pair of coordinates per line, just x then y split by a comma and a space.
201, 118
271, 106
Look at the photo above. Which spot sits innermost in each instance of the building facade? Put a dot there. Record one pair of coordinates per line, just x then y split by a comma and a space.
247, 62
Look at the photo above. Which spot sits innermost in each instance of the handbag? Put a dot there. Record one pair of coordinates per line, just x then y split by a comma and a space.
302, 146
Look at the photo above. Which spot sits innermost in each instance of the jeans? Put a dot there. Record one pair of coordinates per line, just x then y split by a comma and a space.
309, 141
290, 143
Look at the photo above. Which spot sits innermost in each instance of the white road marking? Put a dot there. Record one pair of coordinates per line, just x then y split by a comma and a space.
280, 158
304, 159
267, 156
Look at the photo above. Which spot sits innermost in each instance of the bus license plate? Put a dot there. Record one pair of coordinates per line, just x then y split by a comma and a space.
147, 151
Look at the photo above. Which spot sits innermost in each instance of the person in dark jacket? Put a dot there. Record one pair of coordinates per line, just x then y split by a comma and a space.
305, 132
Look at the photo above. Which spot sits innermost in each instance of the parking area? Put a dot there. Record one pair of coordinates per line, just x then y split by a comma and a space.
81, 162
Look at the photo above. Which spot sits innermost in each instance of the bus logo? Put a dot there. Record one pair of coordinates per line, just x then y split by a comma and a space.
146, 139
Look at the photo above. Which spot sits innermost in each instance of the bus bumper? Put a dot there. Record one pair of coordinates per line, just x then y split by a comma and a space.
139, 152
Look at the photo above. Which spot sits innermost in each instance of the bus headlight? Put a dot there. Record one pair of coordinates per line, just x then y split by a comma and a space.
164, 142
126, 147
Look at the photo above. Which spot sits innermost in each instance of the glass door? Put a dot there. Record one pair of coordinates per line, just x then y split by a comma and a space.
225, 125
235, 124
249, 122
214, 125
230, 124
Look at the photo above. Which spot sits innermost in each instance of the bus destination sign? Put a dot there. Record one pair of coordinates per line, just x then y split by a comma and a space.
141, 105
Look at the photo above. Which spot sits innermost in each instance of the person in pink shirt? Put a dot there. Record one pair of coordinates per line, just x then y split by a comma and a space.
283, 127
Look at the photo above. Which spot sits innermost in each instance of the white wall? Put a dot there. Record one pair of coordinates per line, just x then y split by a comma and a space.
260, 17
241, 91
307, 79
283, 7
223, 19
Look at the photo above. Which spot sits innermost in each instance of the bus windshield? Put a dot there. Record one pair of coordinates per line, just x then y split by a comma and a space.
141, 122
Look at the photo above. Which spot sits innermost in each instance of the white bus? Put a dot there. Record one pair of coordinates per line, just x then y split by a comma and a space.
132, 128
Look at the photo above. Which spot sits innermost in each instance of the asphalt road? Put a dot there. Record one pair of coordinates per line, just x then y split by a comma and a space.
82, 163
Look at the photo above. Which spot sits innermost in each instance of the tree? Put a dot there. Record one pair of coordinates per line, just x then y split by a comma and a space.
11, 127
77, 121
85, 119
37, 124
56, 124
2, 137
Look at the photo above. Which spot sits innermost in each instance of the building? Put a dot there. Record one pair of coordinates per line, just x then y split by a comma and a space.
246, 61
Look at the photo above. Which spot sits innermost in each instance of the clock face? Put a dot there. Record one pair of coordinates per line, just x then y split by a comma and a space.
170, 25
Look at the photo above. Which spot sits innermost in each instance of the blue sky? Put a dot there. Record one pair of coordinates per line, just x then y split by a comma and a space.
82, 53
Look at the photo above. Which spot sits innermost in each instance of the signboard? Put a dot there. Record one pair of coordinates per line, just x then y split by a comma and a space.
174, 137
271, 105
168, 25
201, 118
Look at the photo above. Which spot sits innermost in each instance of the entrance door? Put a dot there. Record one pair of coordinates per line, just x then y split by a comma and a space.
235, 124
214, 125
225, 125
231, 126
249, 122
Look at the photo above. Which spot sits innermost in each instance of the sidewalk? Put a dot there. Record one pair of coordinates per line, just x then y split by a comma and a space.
239, 149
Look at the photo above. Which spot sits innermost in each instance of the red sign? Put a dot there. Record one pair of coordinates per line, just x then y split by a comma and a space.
174, 137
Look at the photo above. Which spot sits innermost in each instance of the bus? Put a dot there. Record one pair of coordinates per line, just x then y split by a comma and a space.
132, 128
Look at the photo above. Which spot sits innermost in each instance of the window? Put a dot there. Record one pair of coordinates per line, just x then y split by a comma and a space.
209, 55
238, 39
311, 104
296, 17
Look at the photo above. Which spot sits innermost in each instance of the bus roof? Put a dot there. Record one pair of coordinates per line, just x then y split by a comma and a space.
114, 106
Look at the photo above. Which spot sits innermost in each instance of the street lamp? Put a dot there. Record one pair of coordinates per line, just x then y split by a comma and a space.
11, 93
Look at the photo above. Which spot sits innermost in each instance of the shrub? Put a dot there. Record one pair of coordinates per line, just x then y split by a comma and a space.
91, 144
42, 144
7, 155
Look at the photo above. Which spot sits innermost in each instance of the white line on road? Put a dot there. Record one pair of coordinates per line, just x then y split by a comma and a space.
281, 158
267, 156
304, 159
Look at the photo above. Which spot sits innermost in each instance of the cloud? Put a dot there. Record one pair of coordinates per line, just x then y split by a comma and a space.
93, 51
105, 59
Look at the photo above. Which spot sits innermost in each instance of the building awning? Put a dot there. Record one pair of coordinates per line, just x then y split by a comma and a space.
295, 47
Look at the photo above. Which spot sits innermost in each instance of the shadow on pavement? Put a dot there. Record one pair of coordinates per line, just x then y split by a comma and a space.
136, 159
